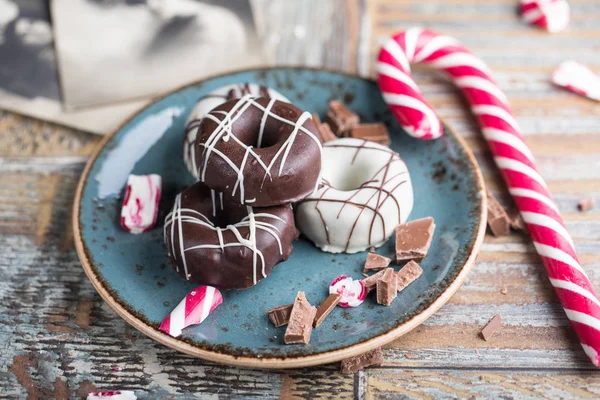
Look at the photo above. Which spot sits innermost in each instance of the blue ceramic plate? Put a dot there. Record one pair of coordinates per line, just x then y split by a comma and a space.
133, 275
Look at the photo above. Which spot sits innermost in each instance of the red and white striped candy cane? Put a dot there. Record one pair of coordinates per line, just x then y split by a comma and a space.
192, 310
550, 237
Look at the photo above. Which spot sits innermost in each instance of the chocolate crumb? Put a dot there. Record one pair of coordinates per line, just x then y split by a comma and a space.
354, 364
408, 274
280, 316
497, 219
340, 118
325, 308
516, 221
324, 130
377, 133
376, 262
301, 320
586, 203
413, 239
488, 331
387, 287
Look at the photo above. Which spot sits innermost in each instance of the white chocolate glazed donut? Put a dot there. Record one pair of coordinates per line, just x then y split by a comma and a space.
366, 193
212, 100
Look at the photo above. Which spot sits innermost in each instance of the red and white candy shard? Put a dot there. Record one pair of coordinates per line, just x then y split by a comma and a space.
140, 206
192, 310
551, 15
112, 395
577, 78
353, 292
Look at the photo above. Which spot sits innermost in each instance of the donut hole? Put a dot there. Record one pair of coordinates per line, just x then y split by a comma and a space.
231, 215
353, 177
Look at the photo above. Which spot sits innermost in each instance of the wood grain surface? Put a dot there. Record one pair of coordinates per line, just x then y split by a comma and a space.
59, 340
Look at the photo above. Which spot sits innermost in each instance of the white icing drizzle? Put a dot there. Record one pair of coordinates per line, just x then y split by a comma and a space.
208, 102
179, 216
224, 132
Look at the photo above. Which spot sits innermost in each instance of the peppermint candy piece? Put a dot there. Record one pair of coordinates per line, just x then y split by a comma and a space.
577, 78
551, 15
353, 292
140, 206
112, 395
192, 310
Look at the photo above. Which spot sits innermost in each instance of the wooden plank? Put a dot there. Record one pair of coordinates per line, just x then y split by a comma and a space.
446, 384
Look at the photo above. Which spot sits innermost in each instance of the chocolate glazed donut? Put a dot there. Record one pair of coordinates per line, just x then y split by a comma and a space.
212, 240
261, 152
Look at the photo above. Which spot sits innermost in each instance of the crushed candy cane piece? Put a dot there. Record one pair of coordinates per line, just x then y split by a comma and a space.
140, 205
577, 78
112, 395
192, 310
353, 292
551, 15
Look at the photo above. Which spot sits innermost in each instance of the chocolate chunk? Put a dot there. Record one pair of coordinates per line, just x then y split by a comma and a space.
354, 364
326, 307
516, 222
377, 133
324, 129
586, 204
301, 319
413, 239
371, 281
387, 287
280, 316
375, 261
497, 218
491, 328
340, 118
408, 274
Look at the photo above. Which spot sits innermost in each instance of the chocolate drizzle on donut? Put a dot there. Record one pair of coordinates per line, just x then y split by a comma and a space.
381, 194
223, 94
213, 241
259, 151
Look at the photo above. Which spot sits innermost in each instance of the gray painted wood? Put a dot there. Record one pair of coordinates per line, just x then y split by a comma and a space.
58, 339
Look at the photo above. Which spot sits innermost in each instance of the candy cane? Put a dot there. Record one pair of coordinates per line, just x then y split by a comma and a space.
550, 237
192, 310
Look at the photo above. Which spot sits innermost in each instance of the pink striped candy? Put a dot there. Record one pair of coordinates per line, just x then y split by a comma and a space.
353, 292
511, 154
192, 310
551, 15
140, 206
577, 78
112, 395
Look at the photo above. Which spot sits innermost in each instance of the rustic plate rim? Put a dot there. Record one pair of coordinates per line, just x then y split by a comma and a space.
272, 362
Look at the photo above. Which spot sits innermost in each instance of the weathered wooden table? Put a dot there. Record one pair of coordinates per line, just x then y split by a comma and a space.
60, 340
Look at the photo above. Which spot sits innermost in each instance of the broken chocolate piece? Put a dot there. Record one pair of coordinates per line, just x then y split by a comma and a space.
408, 274
376, 132
413, 239
375, 262
280, 316
516, 222
497, 218
301, 319
491, 327
326, 307
324, 130
586, 204
371, 281
354, 364
340, 118
387, 287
